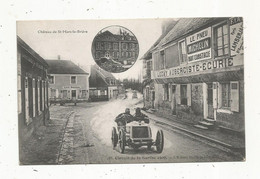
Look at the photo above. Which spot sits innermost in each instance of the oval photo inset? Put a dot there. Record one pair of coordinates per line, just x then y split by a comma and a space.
115, 49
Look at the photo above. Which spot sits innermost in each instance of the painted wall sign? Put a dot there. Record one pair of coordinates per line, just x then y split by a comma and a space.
67, 87
209, 66
236, 36
199, 45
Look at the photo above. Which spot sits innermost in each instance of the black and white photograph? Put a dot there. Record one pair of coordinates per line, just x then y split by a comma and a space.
168, 90
115, 49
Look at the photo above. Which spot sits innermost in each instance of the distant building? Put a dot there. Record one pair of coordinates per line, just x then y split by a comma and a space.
33, 109
198, 72
102, 84
67, 80
122, 47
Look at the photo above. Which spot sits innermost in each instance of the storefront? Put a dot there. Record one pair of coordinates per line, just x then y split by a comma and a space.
206, 81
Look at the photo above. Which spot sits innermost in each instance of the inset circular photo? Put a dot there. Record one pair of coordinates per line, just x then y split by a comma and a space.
115, 49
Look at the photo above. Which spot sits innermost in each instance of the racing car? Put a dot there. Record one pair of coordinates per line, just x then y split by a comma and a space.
136, 134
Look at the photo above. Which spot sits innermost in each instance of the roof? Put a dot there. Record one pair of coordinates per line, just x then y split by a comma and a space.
99, 77
64, 67
148, 54
27, 48
186, 26
102, 72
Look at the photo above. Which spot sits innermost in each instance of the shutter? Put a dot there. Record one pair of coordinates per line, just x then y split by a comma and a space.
27, 120
178, 96
215, 95
33, 87
170, 91
189, 94
234, 92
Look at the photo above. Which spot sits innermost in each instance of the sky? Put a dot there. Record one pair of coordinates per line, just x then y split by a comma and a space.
76, 46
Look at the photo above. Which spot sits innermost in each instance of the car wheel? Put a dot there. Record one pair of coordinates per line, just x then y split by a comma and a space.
122, 141
114, 137
159, 141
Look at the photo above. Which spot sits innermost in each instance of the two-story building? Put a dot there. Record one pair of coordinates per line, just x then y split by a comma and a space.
32, 86
67, 81
102, 84
148, 83
198, 70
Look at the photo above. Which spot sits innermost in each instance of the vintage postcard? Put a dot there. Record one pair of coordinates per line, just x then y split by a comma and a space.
131, 91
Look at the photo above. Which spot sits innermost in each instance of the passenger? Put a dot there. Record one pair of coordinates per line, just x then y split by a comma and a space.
139, 116
124, 118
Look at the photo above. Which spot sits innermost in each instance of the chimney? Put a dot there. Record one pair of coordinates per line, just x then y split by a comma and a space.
58, 57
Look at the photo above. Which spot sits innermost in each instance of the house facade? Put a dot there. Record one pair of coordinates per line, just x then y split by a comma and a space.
33, 108
67, 81
198, 71
102, 85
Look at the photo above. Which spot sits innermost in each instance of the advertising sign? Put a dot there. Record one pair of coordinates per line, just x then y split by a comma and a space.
199, 67
199, 45
236, 36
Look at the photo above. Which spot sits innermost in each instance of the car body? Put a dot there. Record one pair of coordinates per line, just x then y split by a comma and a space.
136, 134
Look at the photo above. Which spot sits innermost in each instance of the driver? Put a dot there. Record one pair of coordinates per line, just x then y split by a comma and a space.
139, 116
124, 118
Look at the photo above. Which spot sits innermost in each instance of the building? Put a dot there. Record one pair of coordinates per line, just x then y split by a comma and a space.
33, 108
67, 81
122, 47
198, 72
148, 83
102, 85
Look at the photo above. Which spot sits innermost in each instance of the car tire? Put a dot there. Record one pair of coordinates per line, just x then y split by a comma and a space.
159, 143
114, 137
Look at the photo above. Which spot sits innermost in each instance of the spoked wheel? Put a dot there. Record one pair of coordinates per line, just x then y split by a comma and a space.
114, 137
159, 143
121, 141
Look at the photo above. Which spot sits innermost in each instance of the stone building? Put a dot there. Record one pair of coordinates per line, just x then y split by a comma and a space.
122, 47
67, 81
198, 72
33, 108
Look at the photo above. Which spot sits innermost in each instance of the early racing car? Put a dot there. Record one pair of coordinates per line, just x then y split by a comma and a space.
136, 134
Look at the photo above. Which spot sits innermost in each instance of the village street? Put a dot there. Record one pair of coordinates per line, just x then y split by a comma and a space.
87, 138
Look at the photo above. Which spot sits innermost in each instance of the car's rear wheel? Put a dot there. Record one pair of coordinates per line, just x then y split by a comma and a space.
159, 143
114, 137
122, 141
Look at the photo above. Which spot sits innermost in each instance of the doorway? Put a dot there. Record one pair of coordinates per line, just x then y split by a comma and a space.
73, 94
210, 101
173, 103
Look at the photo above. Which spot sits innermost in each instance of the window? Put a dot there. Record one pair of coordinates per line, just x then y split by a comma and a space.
221, 40
73, 80
84, 93
184, 94
124, 46
225, 95
162, 60
98, 46
51, 79
115, 46
183, 52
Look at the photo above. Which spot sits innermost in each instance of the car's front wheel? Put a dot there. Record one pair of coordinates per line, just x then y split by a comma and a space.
122, 141
159, 143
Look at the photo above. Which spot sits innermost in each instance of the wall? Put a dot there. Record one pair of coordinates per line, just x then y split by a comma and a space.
61, 81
